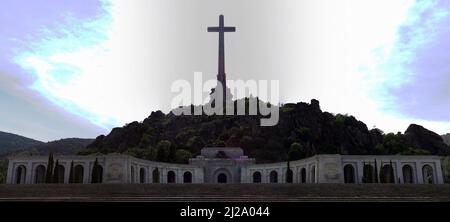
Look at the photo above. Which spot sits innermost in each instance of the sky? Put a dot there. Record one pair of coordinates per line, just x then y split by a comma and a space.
78, 68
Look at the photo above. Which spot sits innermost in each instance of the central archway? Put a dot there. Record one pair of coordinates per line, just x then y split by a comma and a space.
222, 176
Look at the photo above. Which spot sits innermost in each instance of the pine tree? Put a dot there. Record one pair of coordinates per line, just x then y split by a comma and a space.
71, 179
49, 172
56, 173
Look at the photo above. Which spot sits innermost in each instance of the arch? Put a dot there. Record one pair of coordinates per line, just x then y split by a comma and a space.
187, 177
142, 177
133, 175
40, 174
349, 174
155, 175
257, 177
408, 175
313, 174
21, 173
427, 172
222, 175
368, 174
59, 174
289, 176
78, 174
273, 176
170, 177
387, 174
303, 175
97, 174
222, 178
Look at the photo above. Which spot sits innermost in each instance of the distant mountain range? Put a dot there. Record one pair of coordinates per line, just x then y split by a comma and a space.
446, 138
12, 144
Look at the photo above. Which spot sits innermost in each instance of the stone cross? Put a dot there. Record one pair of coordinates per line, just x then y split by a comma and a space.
221, 29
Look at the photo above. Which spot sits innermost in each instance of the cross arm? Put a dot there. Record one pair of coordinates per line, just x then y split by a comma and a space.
213, 29
221, 29
229, 29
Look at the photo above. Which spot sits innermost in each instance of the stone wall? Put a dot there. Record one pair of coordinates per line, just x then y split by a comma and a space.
118, 168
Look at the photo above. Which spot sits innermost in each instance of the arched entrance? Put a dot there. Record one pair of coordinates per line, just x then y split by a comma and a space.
187, 177
21, 173
170, 177
273, 176
428, 177
303, 175
289, 176
387, 174
58, 175
368, 174
155, 175
222, 176
408, 176
40, 174
78, 174
97, 174
349, 174
257, 177
142, 176
313, 174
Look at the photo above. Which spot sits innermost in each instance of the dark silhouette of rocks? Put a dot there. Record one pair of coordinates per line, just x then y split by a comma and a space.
317, 131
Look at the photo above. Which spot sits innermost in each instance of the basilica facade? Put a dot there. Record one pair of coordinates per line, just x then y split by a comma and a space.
230, 165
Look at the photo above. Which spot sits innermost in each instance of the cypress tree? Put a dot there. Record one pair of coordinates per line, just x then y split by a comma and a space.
71, 179
95, 175
289, 176
49, 172
376, 172
56, 173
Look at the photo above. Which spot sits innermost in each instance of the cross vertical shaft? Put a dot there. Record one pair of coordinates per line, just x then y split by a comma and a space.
221, 29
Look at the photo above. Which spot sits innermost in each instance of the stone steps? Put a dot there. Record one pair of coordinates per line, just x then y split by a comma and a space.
224, 193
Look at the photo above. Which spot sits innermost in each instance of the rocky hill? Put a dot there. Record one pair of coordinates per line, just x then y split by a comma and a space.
162, 136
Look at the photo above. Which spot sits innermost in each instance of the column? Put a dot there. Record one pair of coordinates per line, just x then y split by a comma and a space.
150, 174
282, 175
29, 172
439, 176
359, 172
66, 172
85, 172
163, 175
419, 173
179, 176
9, 175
